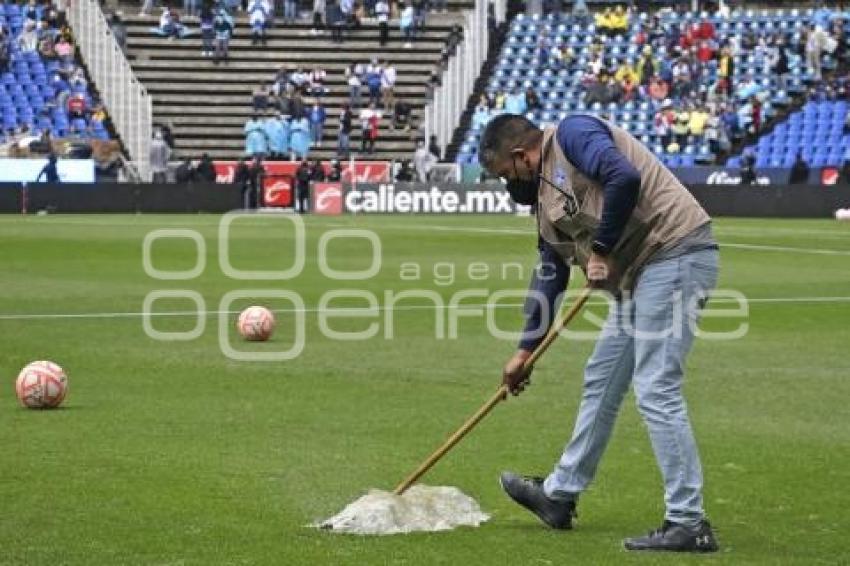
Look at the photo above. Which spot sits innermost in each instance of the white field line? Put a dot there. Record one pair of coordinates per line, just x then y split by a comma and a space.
213, 220
475, 230
771, 231
530, 232
95, 315
766, 248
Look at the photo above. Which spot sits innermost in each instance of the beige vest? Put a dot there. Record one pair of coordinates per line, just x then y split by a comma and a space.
665, 211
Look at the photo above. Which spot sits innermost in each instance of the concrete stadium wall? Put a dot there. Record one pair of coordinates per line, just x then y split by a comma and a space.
108, 197
780, 201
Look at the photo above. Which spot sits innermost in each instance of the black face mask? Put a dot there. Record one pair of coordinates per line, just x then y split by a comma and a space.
523, 191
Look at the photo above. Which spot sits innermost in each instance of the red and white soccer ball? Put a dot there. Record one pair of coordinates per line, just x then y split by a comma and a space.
41, 385
256, 324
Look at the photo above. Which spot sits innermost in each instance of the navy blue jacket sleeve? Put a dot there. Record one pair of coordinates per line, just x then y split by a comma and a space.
588, 144
548, 282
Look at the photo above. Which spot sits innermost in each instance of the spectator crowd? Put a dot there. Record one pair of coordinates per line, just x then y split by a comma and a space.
289, 117
45, 95
684, 68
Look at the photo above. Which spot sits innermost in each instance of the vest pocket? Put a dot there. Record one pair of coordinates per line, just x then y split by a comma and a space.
585, 221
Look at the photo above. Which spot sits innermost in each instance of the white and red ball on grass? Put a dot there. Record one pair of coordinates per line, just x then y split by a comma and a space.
41, 385
256, 324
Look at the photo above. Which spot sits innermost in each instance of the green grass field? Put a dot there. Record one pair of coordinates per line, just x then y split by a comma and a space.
168, 452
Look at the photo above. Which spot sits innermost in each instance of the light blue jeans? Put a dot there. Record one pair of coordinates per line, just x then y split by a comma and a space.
342, 149
316, 130
354, 97
645, 340
190, 7
290, 10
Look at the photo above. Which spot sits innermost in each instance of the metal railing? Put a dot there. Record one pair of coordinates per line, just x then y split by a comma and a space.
500, 8
126, 99
442, 114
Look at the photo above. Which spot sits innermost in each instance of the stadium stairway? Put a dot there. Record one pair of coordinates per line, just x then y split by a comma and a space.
206, 105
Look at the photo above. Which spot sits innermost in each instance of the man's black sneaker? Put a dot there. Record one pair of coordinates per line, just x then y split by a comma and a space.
676, 538
528, 492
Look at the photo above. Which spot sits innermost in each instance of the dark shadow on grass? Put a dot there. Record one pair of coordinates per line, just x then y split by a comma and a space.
60, 408
530, 526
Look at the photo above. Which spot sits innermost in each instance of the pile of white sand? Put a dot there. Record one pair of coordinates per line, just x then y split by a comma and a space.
420, 508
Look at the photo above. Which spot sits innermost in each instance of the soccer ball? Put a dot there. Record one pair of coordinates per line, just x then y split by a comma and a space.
256, 324
41, 385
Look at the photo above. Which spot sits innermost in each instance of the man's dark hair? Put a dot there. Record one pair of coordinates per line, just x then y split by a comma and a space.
504, 133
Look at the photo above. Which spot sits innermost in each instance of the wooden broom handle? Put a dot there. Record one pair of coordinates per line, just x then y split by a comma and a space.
500, 395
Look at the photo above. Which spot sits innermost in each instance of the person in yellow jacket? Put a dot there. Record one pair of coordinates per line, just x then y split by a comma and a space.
626, 72
619, 21
696, 125
725, 71
605, 21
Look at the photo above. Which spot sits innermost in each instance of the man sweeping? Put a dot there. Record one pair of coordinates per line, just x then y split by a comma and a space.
606, 203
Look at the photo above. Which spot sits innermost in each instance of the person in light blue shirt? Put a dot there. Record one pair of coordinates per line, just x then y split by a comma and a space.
273, 129
256, 142
405, 24
822, 17
515, 103
286, 127
481, 116
299, 137
747, 88
225, 14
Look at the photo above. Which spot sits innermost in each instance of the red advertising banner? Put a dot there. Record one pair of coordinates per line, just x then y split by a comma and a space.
277, 190
829, 176
327, 198
278, 184
365, 171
